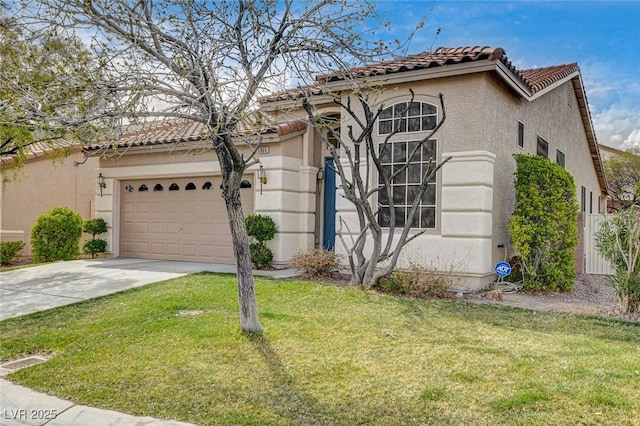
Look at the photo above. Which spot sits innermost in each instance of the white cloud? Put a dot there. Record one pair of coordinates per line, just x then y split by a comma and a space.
633, 141
618, 125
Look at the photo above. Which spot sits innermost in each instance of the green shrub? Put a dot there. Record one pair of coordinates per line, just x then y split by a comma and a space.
9, 250
315, 263
95, 246
94, 227
262, 228
618, 240
56, 235
544, 228
261, 255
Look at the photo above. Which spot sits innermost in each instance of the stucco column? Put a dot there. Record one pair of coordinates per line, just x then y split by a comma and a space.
467, 210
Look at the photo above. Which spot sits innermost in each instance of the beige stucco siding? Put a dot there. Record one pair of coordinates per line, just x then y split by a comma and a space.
288, 196
42, 185
550, 117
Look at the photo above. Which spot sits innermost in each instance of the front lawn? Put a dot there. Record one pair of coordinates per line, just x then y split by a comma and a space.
329, 355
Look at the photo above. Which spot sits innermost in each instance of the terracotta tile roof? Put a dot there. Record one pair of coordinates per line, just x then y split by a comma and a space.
440, 57
539, 78
44, 149
180, 131
534, 79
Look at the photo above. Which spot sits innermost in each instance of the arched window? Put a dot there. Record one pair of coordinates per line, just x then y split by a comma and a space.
174, 187
190, 187
143, 188
158, 188
405, 117
207, 186
245, 184
128, 188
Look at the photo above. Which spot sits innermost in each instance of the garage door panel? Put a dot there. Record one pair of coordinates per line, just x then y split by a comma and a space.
179, 224
172, 228
173, 249
190, 250
142, 248
157, 248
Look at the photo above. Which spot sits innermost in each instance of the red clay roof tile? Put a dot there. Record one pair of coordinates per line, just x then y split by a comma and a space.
535, 79
182, 130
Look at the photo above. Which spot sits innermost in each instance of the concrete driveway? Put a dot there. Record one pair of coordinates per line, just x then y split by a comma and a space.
38, 288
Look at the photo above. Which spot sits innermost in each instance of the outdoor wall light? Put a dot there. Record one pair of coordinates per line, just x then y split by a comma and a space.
320, 175
262, 177
101, 183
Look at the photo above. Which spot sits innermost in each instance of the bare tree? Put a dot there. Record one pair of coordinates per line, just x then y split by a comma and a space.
366, 180
207, 62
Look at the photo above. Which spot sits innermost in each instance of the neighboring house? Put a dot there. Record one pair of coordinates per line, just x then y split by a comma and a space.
42, 184
164, 203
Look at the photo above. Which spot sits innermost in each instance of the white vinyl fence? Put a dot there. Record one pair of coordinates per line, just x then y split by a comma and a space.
594, 263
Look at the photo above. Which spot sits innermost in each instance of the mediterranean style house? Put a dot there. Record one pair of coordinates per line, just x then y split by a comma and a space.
162, 199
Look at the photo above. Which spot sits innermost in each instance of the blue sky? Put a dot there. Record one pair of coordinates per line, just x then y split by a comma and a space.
603, 37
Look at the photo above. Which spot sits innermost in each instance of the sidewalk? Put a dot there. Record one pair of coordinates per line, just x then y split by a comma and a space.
22, 406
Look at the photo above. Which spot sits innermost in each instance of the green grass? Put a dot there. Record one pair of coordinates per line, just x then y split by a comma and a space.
329, 355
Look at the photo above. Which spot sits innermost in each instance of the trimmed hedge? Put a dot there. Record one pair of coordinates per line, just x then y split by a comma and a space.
56, 235
544, 227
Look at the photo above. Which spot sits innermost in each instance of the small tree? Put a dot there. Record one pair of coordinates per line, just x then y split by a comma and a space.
359, 163
544, 228
95, 226
262, 228
623, 175
56, 235
618, 240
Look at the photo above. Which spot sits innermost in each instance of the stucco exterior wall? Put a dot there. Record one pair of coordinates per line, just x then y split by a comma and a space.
483, 115
42, 185
551, 117
288, 196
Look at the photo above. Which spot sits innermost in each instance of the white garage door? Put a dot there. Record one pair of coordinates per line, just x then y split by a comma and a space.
177, 219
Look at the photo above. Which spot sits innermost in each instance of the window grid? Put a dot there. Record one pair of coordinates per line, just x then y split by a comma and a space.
406, 185
409, 116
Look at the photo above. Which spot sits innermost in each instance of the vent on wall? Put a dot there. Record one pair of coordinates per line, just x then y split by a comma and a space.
570, 95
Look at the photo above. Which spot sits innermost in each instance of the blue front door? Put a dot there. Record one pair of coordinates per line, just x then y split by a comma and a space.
329, 230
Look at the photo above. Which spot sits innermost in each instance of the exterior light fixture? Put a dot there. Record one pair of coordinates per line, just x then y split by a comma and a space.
262, 177
101, 183
320, 175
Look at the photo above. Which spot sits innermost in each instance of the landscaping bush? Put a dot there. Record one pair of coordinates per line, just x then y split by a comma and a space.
262, 228
618, 240
544, 228
56, 235
314, 262
95, 246
9, 250
418, 282
94, 227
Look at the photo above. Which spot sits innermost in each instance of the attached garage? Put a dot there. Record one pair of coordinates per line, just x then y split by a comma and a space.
177, 219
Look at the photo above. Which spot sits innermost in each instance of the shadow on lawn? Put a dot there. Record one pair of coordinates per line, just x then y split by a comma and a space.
418, 311
287, 399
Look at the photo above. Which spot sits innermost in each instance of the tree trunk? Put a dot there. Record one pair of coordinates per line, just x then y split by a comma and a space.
246, 289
